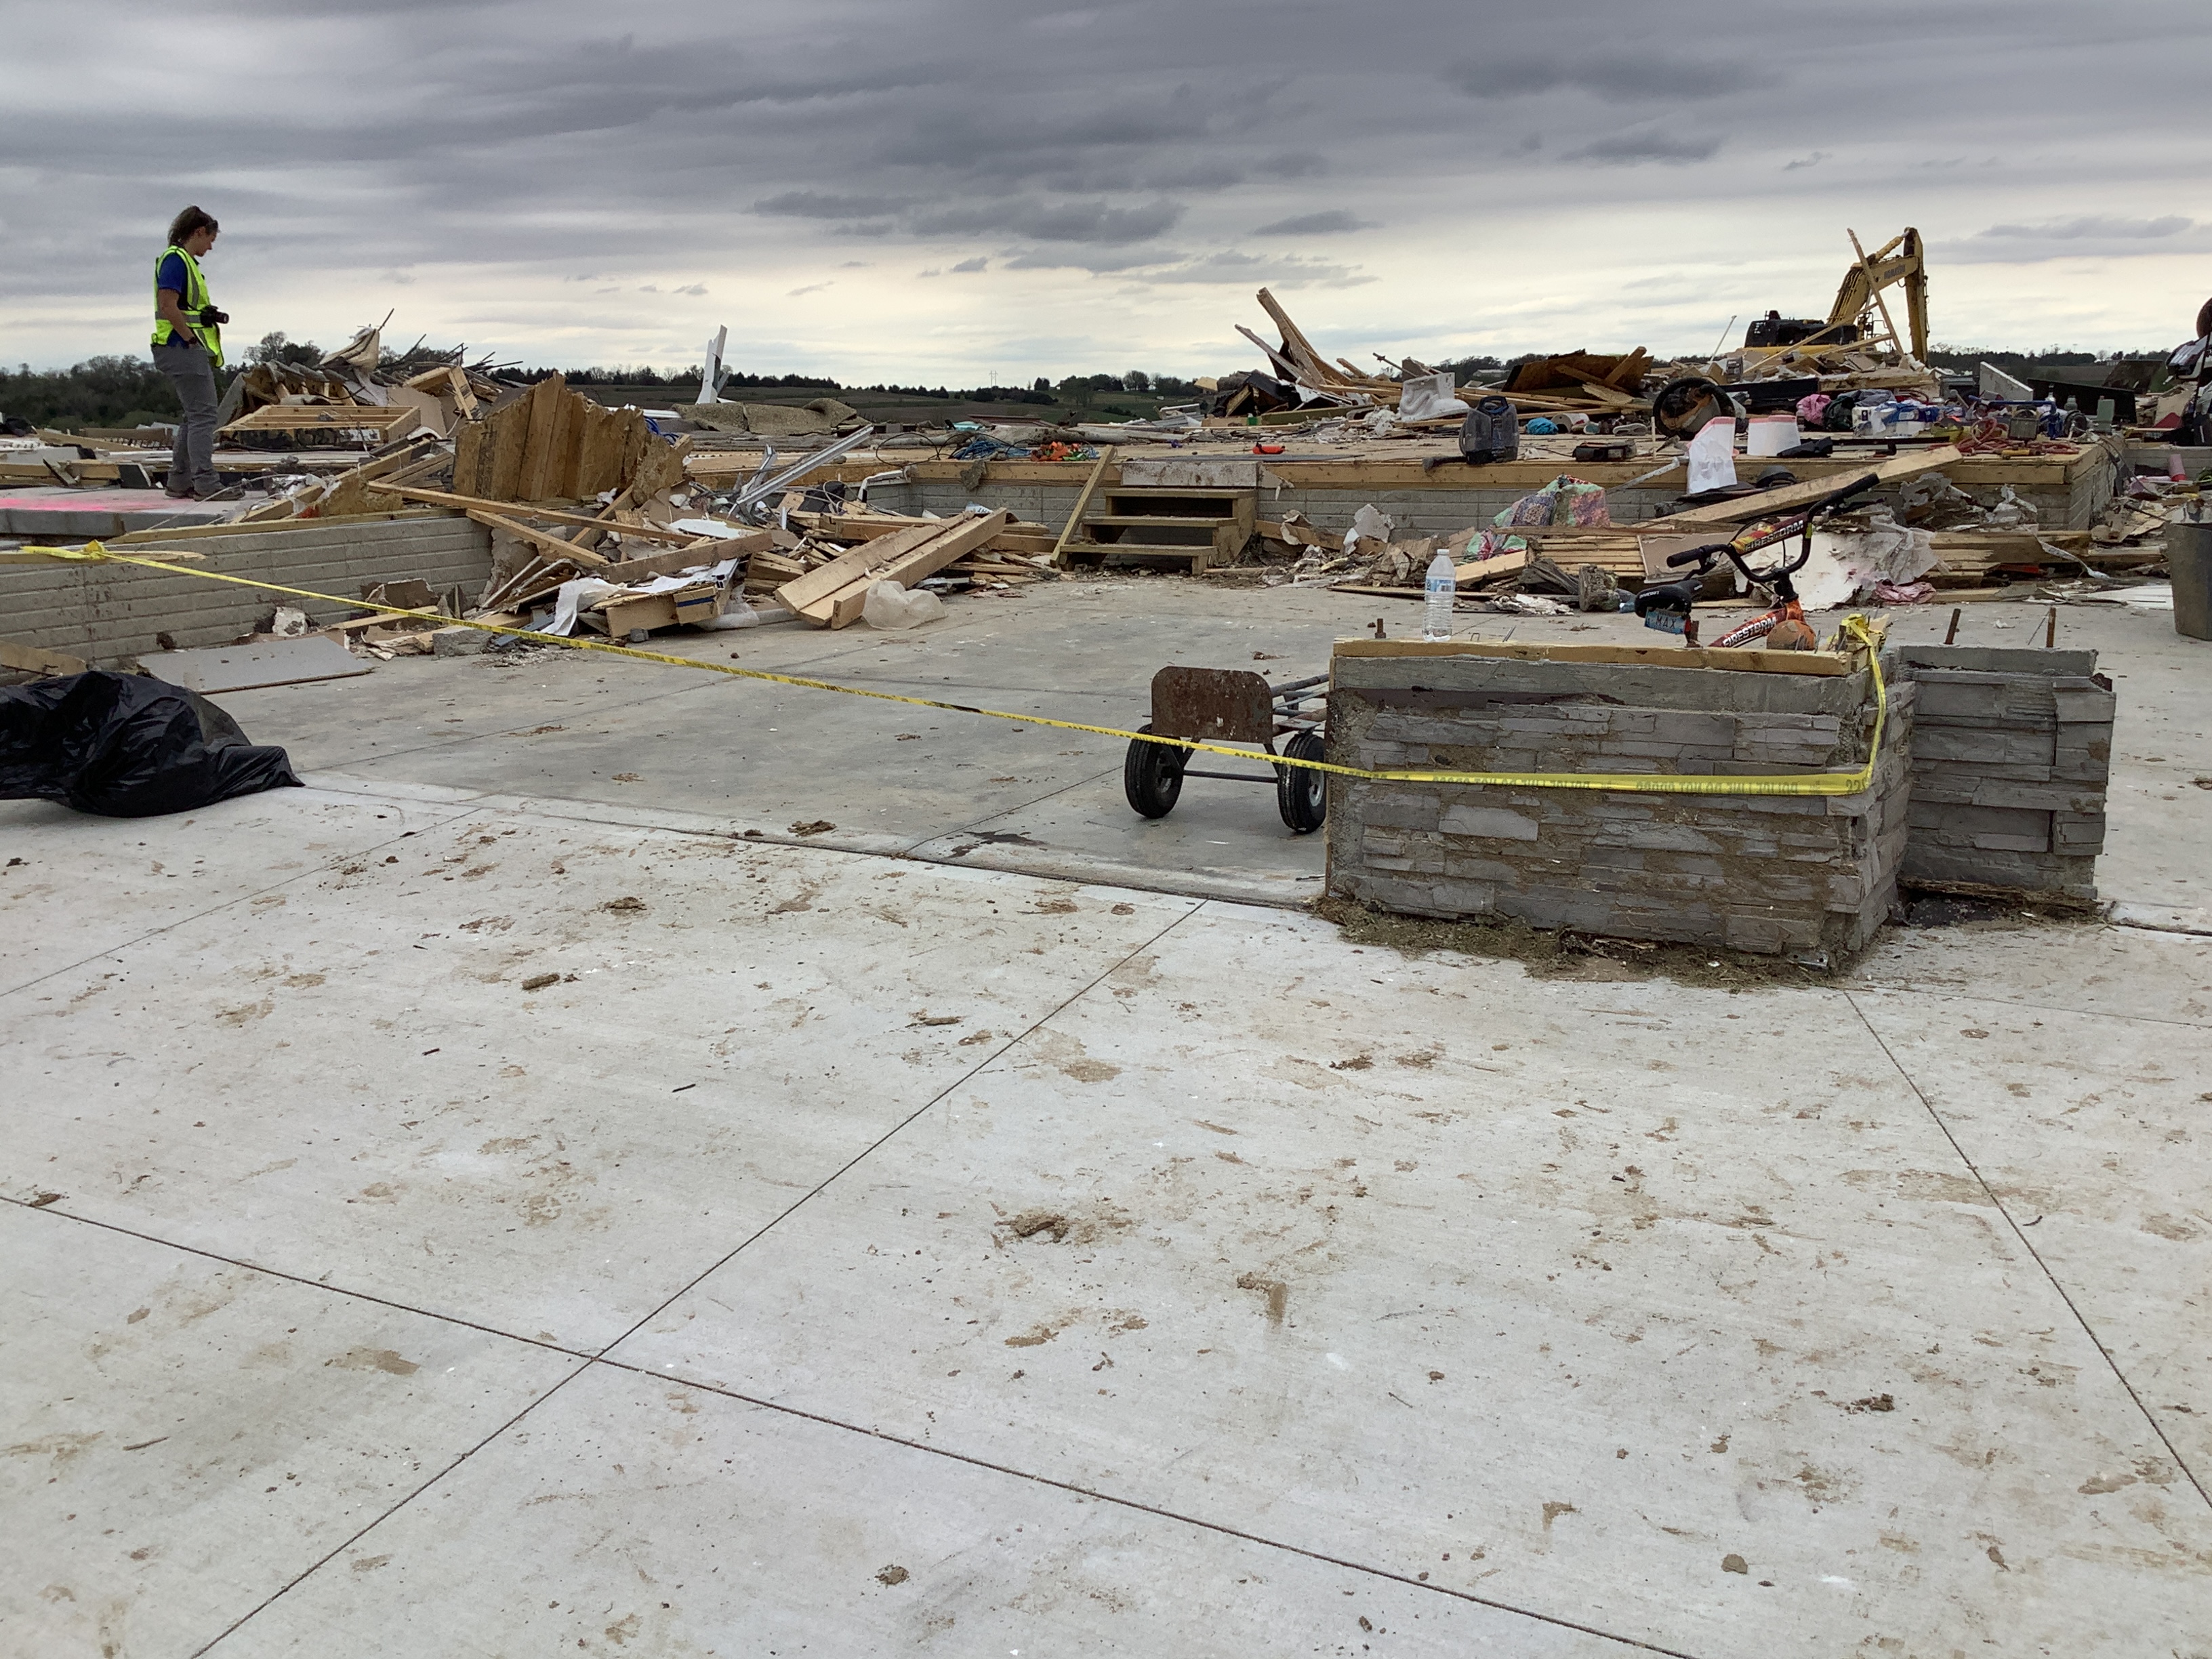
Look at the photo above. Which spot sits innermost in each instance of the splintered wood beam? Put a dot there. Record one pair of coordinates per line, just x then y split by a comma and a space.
543, 541
474, 504
1283, 366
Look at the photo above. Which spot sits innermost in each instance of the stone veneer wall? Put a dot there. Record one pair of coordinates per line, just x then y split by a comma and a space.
2011, 754
1807, 877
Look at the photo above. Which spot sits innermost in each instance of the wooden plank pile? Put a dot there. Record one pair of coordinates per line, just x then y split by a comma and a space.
824, 575
367, 384
1297, 362
1571, 382
1580, 381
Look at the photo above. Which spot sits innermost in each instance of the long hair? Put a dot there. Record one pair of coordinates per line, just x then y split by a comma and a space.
190, 220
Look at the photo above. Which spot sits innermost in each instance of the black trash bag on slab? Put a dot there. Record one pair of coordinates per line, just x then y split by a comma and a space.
127, 746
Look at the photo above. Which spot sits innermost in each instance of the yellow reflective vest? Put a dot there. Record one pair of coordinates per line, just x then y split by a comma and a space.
193, 301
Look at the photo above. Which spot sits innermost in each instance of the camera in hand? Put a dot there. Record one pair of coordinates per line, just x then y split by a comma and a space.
209, 314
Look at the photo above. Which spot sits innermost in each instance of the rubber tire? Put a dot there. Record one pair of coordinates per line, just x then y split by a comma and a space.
1151, 777
1677, 400
1302, 794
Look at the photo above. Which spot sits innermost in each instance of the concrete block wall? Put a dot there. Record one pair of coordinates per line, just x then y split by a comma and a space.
2011, 755
109, 614
1810, 876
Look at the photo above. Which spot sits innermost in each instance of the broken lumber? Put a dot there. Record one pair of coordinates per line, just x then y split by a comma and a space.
917, 565
831, 596
34, 659
1498, 564
543, 541
1741, 509
471, 504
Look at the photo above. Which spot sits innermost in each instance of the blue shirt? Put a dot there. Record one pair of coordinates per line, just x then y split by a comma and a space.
172, 276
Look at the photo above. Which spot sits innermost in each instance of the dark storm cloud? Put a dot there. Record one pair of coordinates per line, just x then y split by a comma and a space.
347, 149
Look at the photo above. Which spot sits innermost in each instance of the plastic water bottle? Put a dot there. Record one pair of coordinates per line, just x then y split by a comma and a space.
1438, 591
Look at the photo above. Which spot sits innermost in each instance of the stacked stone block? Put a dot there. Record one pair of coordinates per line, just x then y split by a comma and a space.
1807, 877
2011, 754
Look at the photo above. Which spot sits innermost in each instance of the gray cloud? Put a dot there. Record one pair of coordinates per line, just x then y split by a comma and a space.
1054, 222
1067, 143
818, 205
1634, 148
979, 263
2090, 228
2087, 236
1608, 74
1328, 222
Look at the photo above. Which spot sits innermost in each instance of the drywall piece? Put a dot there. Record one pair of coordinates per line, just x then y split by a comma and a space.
264, 662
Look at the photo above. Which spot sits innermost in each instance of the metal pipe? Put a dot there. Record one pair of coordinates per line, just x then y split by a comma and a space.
760, 488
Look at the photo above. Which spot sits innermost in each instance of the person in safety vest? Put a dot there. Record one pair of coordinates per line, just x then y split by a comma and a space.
188, 349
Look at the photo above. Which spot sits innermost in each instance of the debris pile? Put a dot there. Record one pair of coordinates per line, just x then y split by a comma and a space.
421, 389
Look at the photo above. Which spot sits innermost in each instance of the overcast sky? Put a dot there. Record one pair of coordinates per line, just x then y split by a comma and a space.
963, 191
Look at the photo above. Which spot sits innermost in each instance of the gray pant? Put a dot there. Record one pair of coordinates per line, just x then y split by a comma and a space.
191, 463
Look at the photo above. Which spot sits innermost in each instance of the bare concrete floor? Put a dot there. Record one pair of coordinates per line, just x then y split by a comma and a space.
666, 745
846, 1254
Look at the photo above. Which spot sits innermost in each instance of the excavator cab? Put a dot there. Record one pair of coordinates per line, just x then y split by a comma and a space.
1861, 316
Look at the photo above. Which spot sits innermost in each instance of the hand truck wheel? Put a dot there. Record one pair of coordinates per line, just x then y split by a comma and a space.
1301, 792
1151, 777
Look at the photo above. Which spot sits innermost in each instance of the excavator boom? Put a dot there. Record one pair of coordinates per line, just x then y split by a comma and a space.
1898, 260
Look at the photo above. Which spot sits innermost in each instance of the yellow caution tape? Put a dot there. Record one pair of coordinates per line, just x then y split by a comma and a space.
1648, 783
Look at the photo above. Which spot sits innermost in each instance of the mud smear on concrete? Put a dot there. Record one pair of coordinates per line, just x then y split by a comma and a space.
1276, 1293
1991, 909
386, 1360
1085, 1226
1549, 955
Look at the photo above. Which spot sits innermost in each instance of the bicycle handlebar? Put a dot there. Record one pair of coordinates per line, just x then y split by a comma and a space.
1768, 534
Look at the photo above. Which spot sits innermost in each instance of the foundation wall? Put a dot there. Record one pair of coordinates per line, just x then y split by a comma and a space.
1807, 877
2011, 755
110, 613
2065, 496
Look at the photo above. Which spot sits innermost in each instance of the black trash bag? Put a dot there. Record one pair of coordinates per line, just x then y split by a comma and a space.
127, 746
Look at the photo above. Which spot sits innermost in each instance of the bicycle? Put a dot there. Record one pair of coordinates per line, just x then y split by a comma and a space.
1668, 607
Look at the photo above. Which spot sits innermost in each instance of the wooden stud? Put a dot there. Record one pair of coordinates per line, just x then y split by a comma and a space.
1083, 501
545, 541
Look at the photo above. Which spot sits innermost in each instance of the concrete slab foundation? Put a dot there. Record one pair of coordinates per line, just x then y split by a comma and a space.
1206, 1285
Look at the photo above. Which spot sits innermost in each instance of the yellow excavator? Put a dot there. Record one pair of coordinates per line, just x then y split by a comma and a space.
1852, 323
